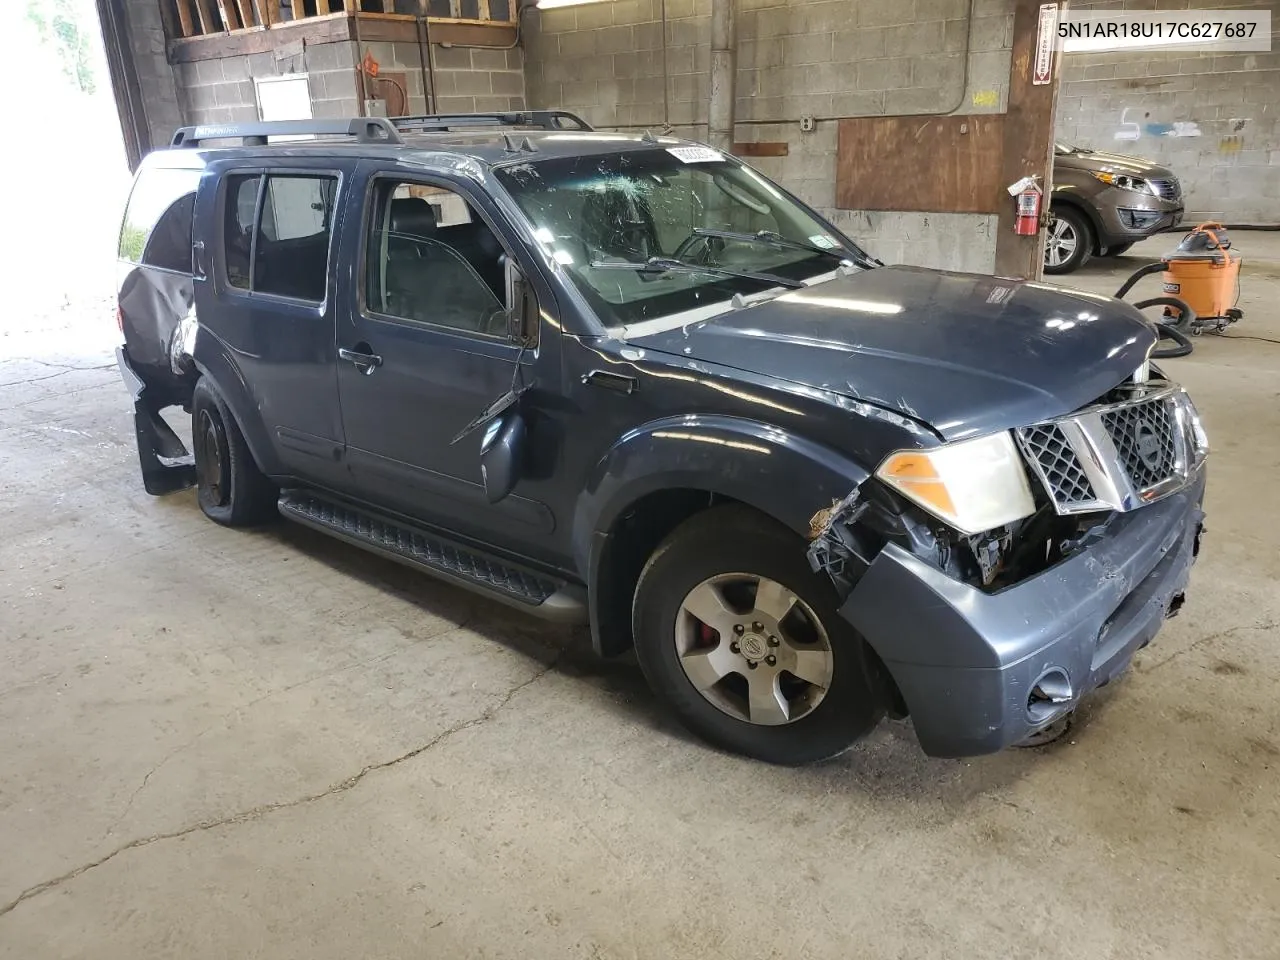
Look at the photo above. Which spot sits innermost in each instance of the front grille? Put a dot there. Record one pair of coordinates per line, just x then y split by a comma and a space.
1114, 456
1144, 435
1060, 468
1168, 189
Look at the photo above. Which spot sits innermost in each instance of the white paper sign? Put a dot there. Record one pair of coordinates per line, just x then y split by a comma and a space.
1042, 71
695, 154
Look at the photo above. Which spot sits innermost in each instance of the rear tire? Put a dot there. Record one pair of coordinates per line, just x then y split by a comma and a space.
730, 554
1068, 242
230, 488
1118, 249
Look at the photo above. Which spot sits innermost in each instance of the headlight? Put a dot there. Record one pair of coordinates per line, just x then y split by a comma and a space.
1123, 181
974, 485
1199, 440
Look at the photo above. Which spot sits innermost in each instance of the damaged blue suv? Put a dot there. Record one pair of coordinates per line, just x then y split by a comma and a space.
627, 380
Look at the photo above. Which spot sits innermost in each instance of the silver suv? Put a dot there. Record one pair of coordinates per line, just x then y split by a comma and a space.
1103, 203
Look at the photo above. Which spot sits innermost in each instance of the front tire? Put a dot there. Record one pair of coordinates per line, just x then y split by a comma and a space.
745, 643
1068, 242
230, 488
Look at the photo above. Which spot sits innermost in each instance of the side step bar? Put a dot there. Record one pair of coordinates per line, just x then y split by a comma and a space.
516, 586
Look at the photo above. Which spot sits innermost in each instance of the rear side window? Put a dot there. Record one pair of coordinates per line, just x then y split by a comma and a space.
157, 224
279, 243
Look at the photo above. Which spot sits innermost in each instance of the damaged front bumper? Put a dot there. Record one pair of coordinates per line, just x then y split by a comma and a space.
980, 671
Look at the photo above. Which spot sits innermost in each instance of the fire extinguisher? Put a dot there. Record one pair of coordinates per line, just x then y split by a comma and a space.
1027, 196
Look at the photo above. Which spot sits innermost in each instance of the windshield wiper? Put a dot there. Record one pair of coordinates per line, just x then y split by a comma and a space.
658, 265
775, 239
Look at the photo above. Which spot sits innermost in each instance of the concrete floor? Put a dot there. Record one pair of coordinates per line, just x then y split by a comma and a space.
224, 744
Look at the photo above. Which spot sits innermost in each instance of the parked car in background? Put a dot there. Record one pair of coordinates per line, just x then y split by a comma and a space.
1103, 203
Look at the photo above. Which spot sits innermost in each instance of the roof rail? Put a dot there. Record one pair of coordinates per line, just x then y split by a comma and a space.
542, 119
363, 129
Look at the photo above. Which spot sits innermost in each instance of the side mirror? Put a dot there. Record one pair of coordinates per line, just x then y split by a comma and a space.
501, 449
522, 310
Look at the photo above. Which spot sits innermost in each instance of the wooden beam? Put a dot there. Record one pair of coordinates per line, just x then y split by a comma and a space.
472, 33
322, 7
268, 11
245, 9
761, 148
299, 10
483, 12
309, 30
228, 11
1028, 138
388, 28
207, 22
185, 24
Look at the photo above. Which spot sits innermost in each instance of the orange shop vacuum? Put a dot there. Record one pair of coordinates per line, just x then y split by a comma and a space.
1202, 274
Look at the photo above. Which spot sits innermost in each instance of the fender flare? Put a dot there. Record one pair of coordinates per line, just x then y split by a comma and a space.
771, 469
1068, 197
214, 361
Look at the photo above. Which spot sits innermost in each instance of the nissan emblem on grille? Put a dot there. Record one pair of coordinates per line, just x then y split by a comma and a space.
1148, 444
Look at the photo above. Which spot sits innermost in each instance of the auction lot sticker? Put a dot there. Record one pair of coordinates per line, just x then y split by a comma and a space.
1211, 31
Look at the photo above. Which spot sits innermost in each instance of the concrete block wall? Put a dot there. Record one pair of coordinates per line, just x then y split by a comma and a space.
155, 76
822, 58
1214, 119
222, 90
468, 79
479, 79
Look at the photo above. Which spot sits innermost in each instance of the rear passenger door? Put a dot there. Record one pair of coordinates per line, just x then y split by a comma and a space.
270, 303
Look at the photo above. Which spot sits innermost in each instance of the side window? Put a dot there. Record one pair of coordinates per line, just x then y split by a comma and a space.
433, 259
285, 251
237, 235
157, 224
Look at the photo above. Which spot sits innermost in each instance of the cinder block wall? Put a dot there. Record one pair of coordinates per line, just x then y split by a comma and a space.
823, 58
468, 79
1213, 118
155, 76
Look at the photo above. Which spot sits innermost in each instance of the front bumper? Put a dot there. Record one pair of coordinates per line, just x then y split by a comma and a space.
1127, 216
967, 662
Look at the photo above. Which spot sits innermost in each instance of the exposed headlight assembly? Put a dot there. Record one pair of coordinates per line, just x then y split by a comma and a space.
1122, 181
1197, 439
973, 485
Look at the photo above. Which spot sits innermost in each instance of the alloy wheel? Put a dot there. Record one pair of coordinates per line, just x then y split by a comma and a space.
1061, 242
753, 649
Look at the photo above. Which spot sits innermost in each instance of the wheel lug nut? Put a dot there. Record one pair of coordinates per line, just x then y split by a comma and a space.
757, 627
738, 628
734, 646
774, 641
771, 660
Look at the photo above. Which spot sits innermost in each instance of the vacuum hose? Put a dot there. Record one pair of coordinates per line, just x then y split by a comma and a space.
1172, 329
1167, 331
1138, 274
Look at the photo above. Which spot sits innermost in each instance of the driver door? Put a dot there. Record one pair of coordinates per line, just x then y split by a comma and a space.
424, 349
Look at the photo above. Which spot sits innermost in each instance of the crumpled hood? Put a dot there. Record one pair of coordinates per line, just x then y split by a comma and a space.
964, 353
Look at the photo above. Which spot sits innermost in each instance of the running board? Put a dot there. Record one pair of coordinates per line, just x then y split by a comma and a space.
516, 586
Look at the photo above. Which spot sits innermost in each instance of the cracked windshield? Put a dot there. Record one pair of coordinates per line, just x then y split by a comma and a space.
652, 233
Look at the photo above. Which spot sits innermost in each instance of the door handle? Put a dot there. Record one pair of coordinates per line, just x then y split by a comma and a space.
361, 358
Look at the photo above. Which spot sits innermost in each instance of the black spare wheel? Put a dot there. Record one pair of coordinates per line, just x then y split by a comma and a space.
230, 487
744, 641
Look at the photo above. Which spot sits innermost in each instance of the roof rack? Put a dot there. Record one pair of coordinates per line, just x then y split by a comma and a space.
541, 119
363, 129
